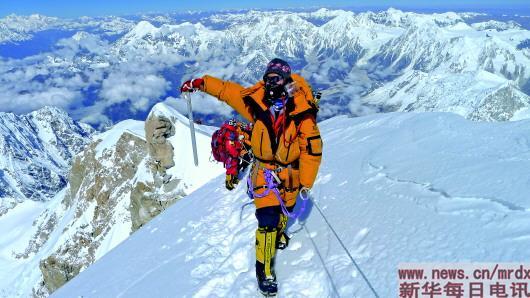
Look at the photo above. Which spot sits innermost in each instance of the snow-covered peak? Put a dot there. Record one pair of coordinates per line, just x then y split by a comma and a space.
49, 113
321, 12
142, 29
345, 20
496, 25
81, 35
147, 38
36, 151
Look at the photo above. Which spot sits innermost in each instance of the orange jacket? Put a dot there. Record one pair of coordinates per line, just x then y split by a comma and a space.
299, 140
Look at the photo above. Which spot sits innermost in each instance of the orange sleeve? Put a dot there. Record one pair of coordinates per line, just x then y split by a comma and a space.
228, 92
310, 151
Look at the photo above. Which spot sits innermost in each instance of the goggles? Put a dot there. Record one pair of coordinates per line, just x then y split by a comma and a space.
274, 80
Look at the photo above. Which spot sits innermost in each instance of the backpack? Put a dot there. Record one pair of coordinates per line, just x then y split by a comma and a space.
219, 138
313, 96
313, 102
317, 95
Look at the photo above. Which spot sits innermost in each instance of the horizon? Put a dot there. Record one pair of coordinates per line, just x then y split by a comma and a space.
66, 9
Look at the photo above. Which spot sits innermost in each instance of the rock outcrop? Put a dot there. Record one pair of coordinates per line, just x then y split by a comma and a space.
121, 180
116, 185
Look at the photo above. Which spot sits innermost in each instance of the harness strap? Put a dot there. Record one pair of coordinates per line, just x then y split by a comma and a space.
280, 187
272, 184
295, 164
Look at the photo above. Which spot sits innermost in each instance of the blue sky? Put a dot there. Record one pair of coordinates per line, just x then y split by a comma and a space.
74, 8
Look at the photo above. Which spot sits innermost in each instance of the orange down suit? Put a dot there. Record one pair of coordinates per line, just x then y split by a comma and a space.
295, 153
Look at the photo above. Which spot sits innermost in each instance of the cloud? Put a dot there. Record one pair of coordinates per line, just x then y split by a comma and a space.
141, 89
82, 41
29, 84
27, 102
96, 119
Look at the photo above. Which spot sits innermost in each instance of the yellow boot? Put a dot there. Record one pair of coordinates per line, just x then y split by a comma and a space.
265, 253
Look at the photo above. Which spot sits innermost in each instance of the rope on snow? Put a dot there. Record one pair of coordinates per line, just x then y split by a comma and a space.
343, 247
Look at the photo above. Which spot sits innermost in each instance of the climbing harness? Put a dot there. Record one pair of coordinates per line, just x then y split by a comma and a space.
272, 182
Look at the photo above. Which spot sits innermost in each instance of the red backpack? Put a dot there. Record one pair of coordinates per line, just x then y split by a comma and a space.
219, 138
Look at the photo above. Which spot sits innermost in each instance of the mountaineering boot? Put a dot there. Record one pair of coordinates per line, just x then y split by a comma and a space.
265, 252
282, 240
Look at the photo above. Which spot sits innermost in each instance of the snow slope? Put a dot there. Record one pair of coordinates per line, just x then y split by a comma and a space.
397, 187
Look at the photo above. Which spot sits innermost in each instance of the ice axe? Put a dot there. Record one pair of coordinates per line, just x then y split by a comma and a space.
187, 96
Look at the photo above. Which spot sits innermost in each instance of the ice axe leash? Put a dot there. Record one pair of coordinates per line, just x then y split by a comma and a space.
187, 96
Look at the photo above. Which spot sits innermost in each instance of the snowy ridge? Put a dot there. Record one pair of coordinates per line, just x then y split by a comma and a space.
15, 28
112, 191
406, 182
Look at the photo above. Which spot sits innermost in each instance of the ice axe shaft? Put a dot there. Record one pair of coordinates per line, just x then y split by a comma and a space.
187, 96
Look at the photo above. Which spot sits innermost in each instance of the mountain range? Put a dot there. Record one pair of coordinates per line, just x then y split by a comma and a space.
363, 62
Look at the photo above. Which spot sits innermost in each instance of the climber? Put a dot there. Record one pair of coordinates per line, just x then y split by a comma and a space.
226, 148
286, 144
